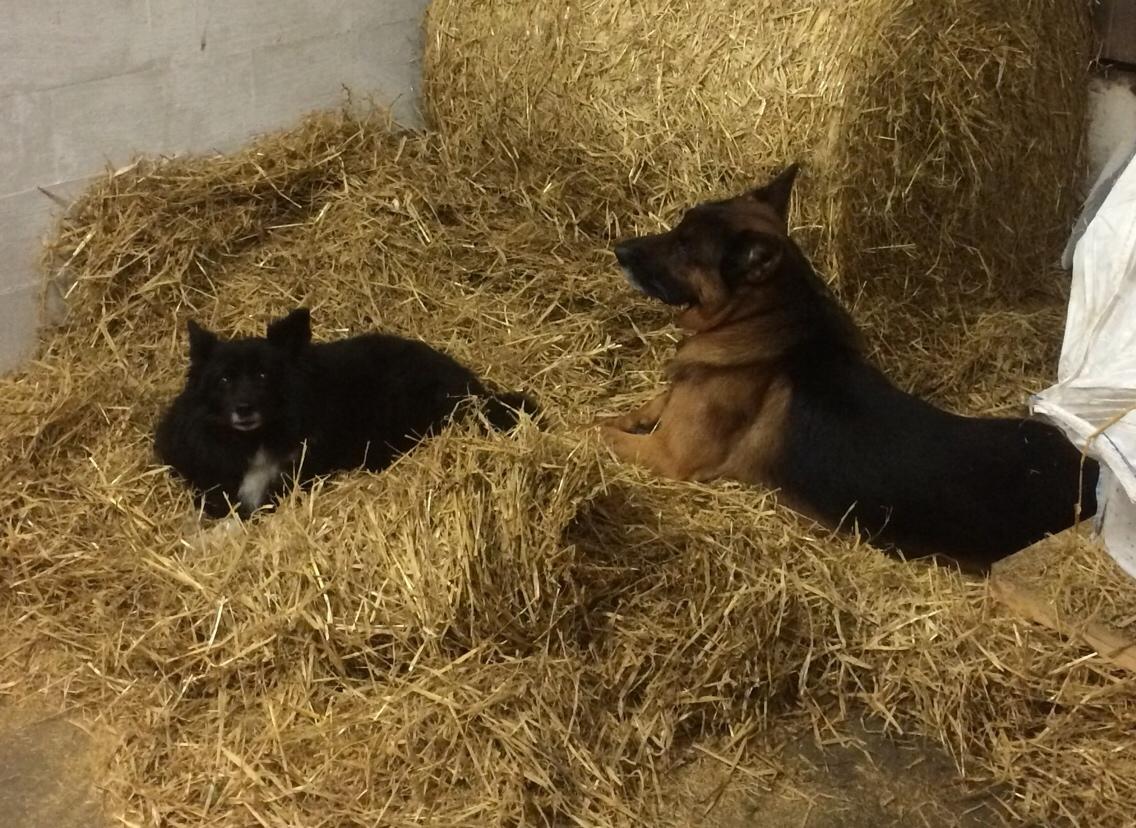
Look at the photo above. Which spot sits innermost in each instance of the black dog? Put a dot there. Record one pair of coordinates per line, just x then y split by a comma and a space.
256, 413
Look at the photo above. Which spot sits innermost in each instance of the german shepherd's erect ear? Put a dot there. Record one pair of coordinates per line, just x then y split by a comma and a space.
201, 343
292, 332
751, 256
778, 192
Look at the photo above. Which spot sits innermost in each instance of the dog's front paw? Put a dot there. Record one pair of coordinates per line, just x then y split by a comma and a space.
610, 433
628, 423
606, 422
207, 536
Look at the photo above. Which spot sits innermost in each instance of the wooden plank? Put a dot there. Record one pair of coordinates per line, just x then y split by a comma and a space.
1109, 644
1030, 604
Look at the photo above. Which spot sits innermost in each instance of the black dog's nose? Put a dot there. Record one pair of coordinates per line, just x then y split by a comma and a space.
624, 252
243, 410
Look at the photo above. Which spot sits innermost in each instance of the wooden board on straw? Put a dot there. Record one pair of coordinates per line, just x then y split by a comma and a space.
1069, 584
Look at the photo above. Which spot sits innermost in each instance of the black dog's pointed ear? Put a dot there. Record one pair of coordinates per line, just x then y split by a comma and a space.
752, 256
778, 192
291, 332
201, 342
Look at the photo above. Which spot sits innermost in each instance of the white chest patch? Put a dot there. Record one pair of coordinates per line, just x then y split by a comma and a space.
261, 476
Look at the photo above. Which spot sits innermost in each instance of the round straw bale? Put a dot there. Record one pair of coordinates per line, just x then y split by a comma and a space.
941, 138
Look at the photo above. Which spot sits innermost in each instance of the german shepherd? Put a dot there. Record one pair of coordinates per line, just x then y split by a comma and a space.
772, 386
259, 412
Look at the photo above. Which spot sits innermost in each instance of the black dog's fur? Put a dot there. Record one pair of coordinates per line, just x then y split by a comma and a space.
258, 412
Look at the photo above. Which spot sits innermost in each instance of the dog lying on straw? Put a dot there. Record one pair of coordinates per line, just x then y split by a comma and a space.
259, 412
772, 386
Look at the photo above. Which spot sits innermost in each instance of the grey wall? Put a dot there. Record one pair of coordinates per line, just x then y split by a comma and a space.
1112, 117
86, 83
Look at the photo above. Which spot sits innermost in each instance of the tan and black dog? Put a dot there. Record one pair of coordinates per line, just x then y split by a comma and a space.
772, 386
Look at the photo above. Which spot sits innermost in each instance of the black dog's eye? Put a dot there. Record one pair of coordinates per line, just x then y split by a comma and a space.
224, 380
261, 376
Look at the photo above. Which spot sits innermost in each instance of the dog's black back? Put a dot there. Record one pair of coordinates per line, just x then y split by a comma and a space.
257, 411
368, 399
861, 452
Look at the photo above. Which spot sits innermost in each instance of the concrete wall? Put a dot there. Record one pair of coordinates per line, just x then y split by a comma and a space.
1112, 117
86, 83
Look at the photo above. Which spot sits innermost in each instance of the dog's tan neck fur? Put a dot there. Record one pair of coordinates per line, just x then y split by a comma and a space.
733, 340
758, 325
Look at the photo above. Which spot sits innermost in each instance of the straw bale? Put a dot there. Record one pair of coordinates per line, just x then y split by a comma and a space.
941, 138
498, 630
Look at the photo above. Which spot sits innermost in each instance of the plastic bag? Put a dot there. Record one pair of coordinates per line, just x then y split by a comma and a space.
1094, 400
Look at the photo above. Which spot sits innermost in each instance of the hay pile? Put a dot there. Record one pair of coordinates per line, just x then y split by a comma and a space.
939, 137
496, 631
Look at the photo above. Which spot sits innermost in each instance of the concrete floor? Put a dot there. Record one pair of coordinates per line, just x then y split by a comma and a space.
48, 772
866, 781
